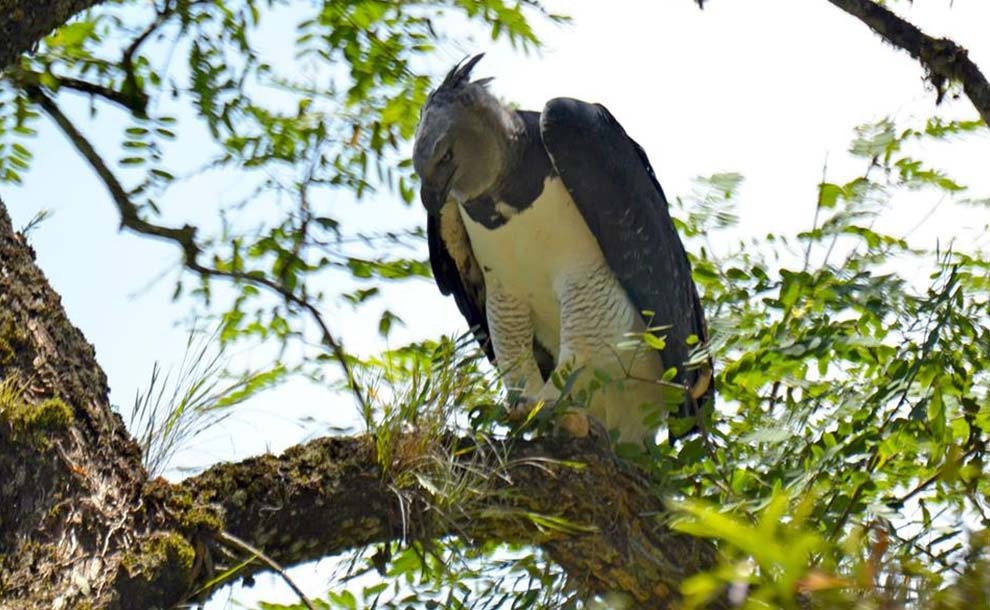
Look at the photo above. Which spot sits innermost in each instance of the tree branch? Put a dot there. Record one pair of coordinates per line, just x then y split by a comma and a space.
135, 103
185, 237
944, 60
129, 216
608, 525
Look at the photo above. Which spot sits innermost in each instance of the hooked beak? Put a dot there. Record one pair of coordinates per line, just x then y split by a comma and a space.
435, 196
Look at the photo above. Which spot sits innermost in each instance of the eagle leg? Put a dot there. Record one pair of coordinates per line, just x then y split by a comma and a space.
574, 423
511, 332
596, 318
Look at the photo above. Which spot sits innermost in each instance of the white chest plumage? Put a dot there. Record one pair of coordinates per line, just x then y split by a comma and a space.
546, 278
533, 252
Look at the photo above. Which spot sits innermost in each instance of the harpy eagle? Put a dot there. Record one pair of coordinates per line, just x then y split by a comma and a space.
553, 235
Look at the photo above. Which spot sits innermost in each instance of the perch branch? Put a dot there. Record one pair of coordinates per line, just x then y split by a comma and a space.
598, 518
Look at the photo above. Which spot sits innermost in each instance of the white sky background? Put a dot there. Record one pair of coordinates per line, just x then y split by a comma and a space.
769, 89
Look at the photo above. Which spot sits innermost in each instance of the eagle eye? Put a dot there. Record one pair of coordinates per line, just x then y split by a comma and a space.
447, 157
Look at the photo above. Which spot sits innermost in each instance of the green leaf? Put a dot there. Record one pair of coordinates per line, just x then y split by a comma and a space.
653, 341
386, 321
829, 194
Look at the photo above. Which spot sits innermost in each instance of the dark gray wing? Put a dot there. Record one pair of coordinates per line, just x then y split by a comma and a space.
468, 295
610, 179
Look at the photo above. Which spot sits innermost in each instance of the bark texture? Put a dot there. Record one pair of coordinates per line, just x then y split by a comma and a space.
71, 483
333, 494
24, 23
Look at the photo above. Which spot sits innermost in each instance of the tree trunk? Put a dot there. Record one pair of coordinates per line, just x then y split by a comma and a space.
24, 23
71, 511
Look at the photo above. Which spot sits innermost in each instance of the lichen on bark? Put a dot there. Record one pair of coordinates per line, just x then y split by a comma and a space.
163, 561
33, 422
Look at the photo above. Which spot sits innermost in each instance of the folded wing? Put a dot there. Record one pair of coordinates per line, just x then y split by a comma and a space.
613, 185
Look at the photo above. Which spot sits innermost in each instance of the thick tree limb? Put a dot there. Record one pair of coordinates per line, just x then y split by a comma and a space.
80, 522
24, 23
611, 535
944, 60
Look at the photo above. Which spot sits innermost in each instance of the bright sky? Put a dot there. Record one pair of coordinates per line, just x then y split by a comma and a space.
769, 89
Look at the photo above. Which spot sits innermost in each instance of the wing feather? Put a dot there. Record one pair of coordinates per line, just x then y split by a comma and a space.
457, 272
613, 185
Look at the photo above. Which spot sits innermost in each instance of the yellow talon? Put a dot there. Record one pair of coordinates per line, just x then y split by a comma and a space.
575, 424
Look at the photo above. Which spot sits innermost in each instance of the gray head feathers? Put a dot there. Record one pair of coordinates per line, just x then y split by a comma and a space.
457, 85
465, 139
460, 73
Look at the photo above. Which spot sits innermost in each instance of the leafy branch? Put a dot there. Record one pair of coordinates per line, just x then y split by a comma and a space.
134, 101
185, 238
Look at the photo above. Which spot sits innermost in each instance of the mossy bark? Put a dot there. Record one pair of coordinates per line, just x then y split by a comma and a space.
71, 480
330, 495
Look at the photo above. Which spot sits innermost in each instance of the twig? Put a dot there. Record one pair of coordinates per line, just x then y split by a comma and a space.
814, 219
185, 237
136, 102
922, 486
234, 541
127, 58
943, 59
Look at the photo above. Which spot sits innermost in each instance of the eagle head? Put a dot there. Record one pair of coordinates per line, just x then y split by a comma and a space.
463, 140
